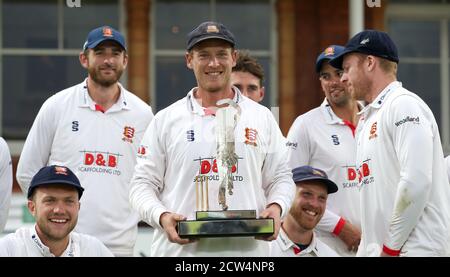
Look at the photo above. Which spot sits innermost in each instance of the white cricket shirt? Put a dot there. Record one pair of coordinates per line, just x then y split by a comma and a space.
5, 182
100, 148
180, 145
26, 243
321, 139
404, 187
284, 247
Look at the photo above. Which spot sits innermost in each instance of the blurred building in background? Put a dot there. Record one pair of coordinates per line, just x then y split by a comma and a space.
40, 41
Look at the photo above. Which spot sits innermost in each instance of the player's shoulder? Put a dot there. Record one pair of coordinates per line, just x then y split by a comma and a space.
5, 154
401, 96
14, 241
135, 102
309, 118
84, 238
3, 144
89, 245
324, 250
252, 105
178, 108
405, 101
65, 97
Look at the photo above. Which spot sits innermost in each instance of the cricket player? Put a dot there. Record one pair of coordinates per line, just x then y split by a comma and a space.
95, 129
402, 174
325, 138
53, 200
179, 149
248, 76
297, 237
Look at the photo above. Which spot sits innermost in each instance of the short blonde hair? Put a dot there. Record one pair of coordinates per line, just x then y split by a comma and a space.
388, 66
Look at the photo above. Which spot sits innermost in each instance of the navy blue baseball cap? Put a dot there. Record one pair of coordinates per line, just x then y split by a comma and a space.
369, 42
308, 173
100, 34
55, 175
209, 30
329, 53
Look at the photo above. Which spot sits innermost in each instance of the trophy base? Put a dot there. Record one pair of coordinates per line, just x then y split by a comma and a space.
231, 214
225, 224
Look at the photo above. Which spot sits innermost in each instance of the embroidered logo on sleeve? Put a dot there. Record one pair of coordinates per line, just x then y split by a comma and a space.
414, 120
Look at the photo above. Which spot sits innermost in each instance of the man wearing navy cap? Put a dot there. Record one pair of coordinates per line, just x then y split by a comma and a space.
297, 237
182, 145
401, 168
325, 138
94, 128
53, 200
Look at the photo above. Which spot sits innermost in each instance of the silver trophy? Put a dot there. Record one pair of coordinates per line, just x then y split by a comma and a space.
224, 223
227, 119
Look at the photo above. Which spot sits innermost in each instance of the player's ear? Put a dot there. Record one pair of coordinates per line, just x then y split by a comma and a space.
31, 207
262, 91
234, 56
83, 57
188, 57
371, 62
125, 59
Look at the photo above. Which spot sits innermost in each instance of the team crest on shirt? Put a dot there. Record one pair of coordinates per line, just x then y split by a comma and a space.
128, 134
250, 136
373, 131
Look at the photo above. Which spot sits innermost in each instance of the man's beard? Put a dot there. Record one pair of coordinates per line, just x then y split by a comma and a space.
105, 82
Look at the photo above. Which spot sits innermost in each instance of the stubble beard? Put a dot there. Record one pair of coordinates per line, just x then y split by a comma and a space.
96, 76
296, 213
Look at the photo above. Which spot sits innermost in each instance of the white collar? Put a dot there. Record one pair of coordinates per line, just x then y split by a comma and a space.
86, 100
382, 97
194, 106
45, 251
330, 116
287, 245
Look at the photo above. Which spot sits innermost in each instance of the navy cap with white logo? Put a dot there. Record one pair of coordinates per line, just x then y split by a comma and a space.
308, 173
55, 175
369, 42
329, 53
101, 34
209, 30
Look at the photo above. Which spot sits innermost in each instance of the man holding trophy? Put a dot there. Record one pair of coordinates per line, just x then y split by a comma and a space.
212, 173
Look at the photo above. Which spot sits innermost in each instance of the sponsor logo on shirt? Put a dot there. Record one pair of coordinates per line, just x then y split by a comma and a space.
208, 169
373, 131
38, 244
142, 150
407, 119
335, 139
100, 162
128, 134
352, 175
250, 136
365, 174
75, 126
190, 136
292, 145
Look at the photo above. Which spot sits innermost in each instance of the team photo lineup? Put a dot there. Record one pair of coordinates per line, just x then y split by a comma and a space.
104, 173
